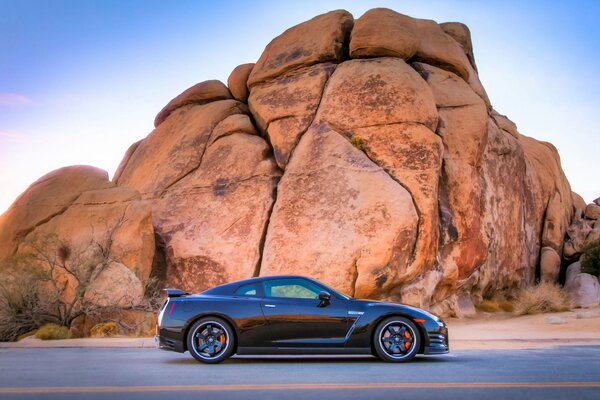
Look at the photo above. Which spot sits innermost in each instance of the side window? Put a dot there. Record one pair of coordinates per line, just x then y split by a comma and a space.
291, 288
246, 290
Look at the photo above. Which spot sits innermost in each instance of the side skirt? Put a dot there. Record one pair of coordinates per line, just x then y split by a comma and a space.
301, 350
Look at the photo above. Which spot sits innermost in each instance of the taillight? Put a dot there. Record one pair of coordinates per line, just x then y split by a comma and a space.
171, 308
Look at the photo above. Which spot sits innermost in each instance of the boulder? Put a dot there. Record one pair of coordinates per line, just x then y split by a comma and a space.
114, 286
505, 124
463, 127
381, 32
583, 289
320, 39
592, 211
461, 33
549, 265
45, 199
286, 106
379, 91
213, 221
402, 142
200, 93
441, 50
175, 147
340, 218
238, 81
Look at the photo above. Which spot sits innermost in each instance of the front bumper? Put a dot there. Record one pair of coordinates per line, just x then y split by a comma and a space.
439, 342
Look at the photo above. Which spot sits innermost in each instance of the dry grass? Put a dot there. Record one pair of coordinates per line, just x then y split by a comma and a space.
53, 332
495, 305
104, 329
543, 298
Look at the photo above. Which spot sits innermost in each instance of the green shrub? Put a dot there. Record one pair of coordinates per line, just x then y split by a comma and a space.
590, 259
543, 298
104, 329
52, 332
358, 142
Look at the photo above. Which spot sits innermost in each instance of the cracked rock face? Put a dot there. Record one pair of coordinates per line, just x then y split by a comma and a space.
361, 152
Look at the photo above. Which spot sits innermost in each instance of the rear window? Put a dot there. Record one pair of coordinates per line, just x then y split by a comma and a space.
246, 290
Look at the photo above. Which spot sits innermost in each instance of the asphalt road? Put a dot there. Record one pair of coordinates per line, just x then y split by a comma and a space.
87, 373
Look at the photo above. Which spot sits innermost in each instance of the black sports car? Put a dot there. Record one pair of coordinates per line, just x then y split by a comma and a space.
293, 315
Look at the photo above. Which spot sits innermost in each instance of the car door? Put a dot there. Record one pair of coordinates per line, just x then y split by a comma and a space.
297, 318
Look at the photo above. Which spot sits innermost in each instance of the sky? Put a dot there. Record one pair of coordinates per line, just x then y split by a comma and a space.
82, 80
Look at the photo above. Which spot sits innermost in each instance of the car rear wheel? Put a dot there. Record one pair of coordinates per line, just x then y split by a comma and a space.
210, 340
396, 339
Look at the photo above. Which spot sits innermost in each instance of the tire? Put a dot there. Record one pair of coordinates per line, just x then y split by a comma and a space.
396, 339
205, 340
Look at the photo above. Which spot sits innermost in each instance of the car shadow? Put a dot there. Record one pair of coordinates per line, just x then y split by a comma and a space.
308, 359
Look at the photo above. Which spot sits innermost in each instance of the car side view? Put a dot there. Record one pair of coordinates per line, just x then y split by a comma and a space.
293, 315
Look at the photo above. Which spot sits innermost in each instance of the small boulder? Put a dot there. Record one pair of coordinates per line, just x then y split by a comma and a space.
583, 289
238, 81
592, 211
200, 93
549, 265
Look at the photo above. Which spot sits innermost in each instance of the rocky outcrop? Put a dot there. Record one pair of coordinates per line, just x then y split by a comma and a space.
364, 153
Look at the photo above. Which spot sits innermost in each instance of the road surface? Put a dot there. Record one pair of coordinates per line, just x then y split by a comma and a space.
126, 373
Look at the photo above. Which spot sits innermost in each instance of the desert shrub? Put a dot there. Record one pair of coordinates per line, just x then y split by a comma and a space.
358, 142
52, 332
104, 329
590, 259
506, 305
545, 297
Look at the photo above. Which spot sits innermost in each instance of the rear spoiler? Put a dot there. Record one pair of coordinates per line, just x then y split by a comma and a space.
171, 292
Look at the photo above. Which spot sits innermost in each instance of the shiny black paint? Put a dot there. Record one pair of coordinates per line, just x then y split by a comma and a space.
292, 326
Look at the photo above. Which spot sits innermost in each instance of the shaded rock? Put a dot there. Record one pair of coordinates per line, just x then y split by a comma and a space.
238, 81
200, 93
46, 198
592, 211
463, 127
584, 291
285, 107
340, 218
381, 32
549, 265
578, 206
320, 39
420, 292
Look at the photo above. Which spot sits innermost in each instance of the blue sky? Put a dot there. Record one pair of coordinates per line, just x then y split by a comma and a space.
82, 80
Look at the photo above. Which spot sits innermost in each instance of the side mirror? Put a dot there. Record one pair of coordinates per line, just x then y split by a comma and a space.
324, 298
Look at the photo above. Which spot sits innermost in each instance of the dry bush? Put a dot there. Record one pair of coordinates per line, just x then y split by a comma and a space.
488, 306
104, 329
543, 298
52, 332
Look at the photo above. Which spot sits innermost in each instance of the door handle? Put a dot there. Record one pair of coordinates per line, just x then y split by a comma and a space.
270, 305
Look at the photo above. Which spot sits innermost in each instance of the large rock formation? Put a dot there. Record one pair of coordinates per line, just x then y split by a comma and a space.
364, 153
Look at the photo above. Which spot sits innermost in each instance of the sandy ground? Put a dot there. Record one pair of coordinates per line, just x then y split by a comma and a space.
505, 330
485, 330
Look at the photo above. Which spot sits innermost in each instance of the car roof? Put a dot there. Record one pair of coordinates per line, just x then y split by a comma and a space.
228, 288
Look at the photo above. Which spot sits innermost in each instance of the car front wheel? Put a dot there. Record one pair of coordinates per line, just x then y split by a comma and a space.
210, 340
396, 339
